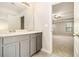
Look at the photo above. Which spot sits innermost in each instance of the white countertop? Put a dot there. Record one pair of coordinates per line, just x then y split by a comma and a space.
17, 33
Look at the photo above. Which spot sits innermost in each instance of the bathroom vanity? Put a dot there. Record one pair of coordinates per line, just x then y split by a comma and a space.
20, 44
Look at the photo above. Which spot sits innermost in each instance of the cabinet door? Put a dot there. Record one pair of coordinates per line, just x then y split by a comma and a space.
0, 47
33, 44
24, 48
38, 41
11, 50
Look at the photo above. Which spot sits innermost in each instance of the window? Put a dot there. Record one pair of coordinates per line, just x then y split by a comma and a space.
68, 27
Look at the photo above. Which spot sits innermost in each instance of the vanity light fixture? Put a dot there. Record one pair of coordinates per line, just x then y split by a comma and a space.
25, 4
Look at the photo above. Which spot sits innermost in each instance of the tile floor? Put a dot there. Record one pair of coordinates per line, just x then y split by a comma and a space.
44, 54
41, 54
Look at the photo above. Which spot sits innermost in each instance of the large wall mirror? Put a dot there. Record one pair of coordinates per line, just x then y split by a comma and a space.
10, 16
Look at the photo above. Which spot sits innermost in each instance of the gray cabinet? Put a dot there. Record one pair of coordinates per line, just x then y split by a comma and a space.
0, 47
32, 44
24, 48
11, 50
15, 46
20, 45
38, 41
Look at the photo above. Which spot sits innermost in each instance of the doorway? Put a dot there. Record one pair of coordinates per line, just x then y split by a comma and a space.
62, 21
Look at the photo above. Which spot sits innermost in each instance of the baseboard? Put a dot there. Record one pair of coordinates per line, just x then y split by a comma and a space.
44, 50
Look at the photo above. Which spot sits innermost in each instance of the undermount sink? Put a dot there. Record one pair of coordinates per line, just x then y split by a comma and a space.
21, 31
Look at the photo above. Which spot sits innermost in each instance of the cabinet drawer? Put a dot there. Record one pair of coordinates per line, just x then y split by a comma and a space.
33, 35
39, 34
24, 37
10, 39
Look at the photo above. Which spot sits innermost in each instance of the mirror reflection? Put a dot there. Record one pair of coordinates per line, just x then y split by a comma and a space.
11, 16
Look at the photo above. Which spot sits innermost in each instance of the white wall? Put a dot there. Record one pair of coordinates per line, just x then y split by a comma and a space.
43, 22
76, 17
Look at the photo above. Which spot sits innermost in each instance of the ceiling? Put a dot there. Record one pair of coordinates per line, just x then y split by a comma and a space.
64, 9
17, 6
